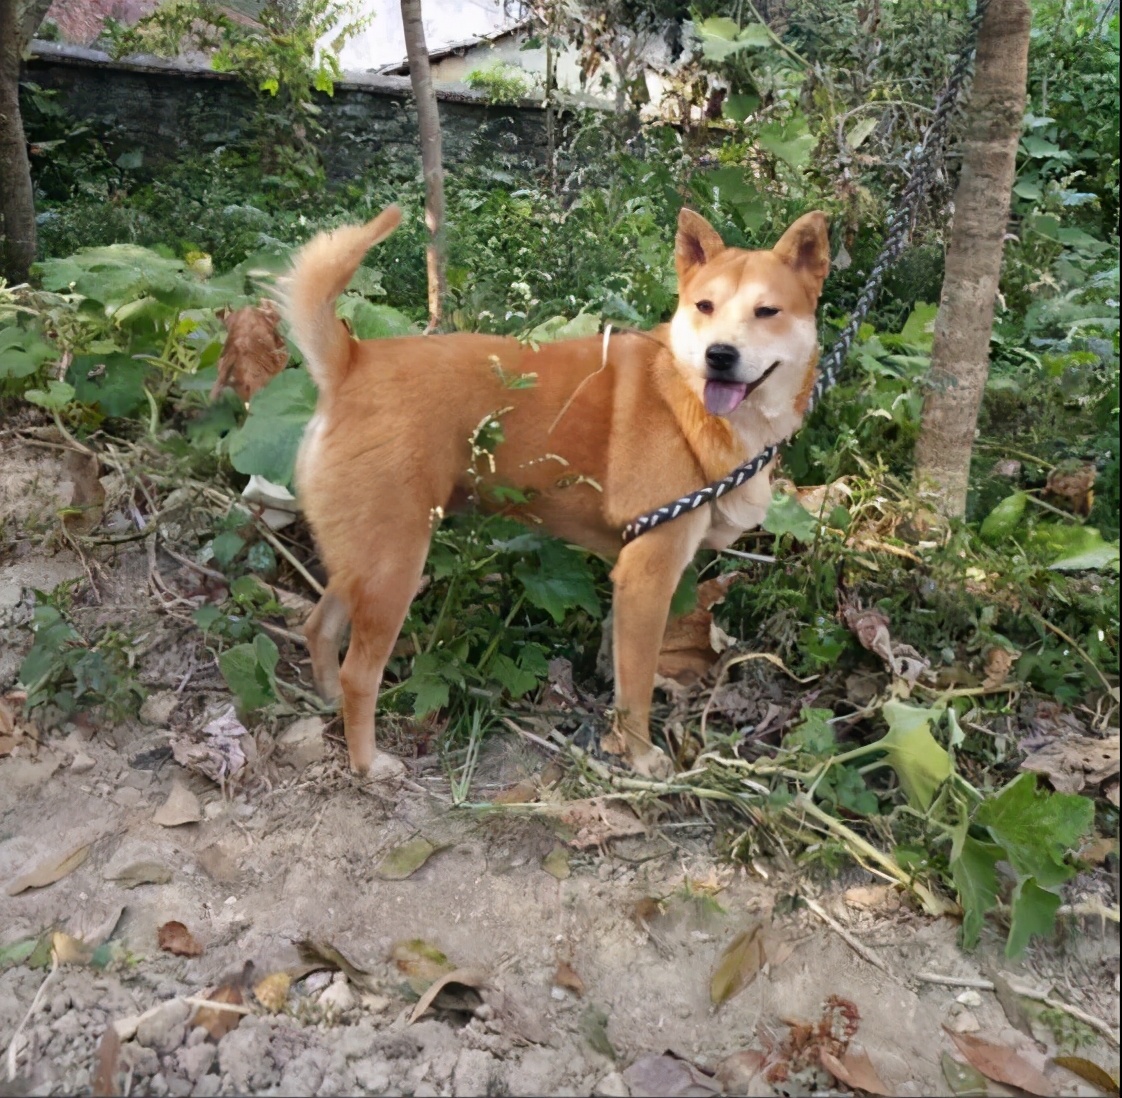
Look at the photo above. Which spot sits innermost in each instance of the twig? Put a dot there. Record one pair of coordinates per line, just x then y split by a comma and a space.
198, 1001
276, 543
1091, 1020
861, 951
280, 631
13, 1046
530, 736
762, 558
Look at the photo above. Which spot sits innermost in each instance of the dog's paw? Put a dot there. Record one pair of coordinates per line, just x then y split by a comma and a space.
654, 764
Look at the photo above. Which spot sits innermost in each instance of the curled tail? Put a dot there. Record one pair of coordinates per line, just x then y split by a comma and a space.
319, 274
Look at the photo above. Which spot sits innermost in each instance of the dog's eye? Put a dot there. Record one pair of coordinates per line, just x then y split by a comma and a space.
705, 307
764, 311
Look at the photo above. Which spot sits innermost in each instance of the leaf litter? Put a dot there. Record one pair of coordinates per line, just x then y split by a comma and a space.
174, 937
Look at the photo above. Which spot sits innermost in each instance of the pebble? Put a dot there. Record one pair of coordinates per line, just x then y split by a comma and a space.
612, 1086
969, 998
127, 797
338, 996
372, 1074
196, 1060
82, 762
165, 1029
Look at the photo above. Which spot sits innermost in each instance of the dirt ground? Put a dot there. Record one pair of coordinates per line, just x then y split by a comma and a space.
577, 974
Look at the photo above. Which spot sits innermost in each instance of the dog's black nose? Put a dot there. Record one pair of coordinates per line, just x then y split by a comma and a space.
721, 356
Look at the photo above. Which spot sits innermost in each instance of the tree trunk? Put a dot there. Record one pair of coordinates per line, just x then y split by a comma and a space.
17, 202
428, 121
960, 356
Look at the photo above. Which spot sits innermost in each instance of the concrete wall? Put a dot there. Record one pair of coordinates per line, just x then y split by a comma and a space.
173, 109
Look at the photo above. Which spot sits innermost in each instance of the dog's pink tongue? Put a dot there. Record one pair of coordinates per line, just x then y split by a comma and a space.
722, 397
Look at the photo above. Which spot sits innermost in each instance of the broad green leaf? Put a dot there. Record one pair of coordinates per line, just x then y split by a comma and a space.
963, 1080
974, 872
786, 143
814, 734
558, 582
54, 398
738, 107
845, 787
267, 442
17, 952
721, 38
786, 515
920, 761
267, 654
370, 321
919, 328
112, 383
515, 679
1034, 913
559, 327
246, 677
22, 352
1040, 149
1003, 519
1081, 548
1037, 829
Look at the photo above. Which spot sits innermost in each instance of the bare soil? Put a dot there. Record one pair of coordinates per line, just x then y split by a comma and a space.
578, 982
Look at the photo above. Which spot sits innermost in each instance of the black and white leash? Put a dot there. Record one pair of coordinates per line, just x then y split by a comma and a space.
926, 159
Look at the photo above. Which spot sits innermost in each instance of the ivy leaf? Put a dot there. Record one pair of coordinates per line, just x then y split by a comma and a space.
1037, 829
1034, 913
267, 442
845, 787
786, 515
515, 679
974, 872
559, 582
920, 761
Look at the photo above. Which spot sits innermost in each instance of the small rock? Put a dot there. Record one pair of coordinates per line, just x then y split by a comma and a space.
159, 1085
338, 996
196, 1060
165, 1028
301, 744
127, 796
969, 998
178, 1088
157, 708
612, 1086
965, 1022
374, 1003
181, 807
477, 1073
209, 1086
81, 763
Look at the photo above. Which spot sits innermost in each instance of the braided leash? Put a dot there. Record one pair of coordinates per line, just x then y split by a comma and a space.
926, 159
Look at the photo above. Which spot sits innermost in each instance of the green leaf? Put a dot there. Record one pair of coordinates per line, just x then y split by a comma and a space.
785, 142
1079, 548
845, 787
860, 131
370, 321
226, 547
1034, 913
112, 383
974, 872
919, 328
1003, 519
814, 734
267, 442
1036, 828
1040, 149
920, 761
17, 952
560, 327
561, 581
738, 107
22, 352
785, 515
515, 679
721, 38
248, 671
404, 860
54, 398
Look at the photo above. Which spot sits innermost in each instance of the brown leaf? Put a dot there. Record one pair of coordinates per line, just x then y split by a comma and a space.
736, 1072
1074, 761
104, 1083
855, 1069
566, 977
1001, 1063
216, 1021
596, 821
1011, 1002
998, 663
87, 496
66, 950
669, 1076
878, 897
1090, 1071
712, 592
254, 351
690, 647
739, 965
175, 938
1071, 485
645, 911
523, 792
272, 991
51, 869
463, 977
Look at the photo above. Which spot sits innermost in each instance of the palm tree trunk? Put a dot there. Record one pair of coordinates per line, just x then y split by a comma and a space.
960, 356
428, 121
17, 200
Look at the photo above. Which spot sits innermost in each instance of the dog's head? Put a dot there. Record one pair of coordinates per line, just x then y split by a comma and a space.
746, 318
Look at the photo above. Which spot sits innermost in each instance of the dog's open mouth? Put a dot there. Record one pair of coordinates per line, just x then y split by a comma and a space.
722, 398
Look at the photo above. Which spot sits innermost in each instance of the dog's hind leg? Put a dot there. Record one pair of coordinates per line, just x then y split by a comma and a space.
379, 601
645, 577
323, 632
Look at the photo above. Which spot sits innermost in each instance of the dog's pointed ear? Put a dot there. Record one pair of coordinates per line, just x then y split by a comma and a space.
805, 246
697, 242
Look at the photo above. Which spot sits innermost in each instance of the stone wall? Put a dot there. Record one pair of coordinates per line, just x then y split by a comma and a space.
172, 109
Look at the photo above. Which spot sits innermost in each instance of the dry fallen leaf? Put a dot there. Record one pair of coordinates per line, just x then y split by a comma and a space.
1071, 485
998, 663
216, 1021
871, 628
220, 753
855, 1069
1090, 1071
1072, 762
739, 965
470, 978
878, 897
51, 869
1001, 1063
272, 991
566, 977
105, 1083
404, 860
420, 963
320, 954
556, 863
141, 873
175, 938
596, 821
669, 1076
523, 792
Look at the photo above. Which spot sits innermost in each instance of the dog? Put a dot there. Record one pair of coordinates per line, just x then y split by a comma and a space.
596, 431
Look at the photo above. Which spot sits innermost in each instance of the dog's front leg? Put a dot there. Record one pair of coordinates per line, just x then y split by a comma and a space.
645, 578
